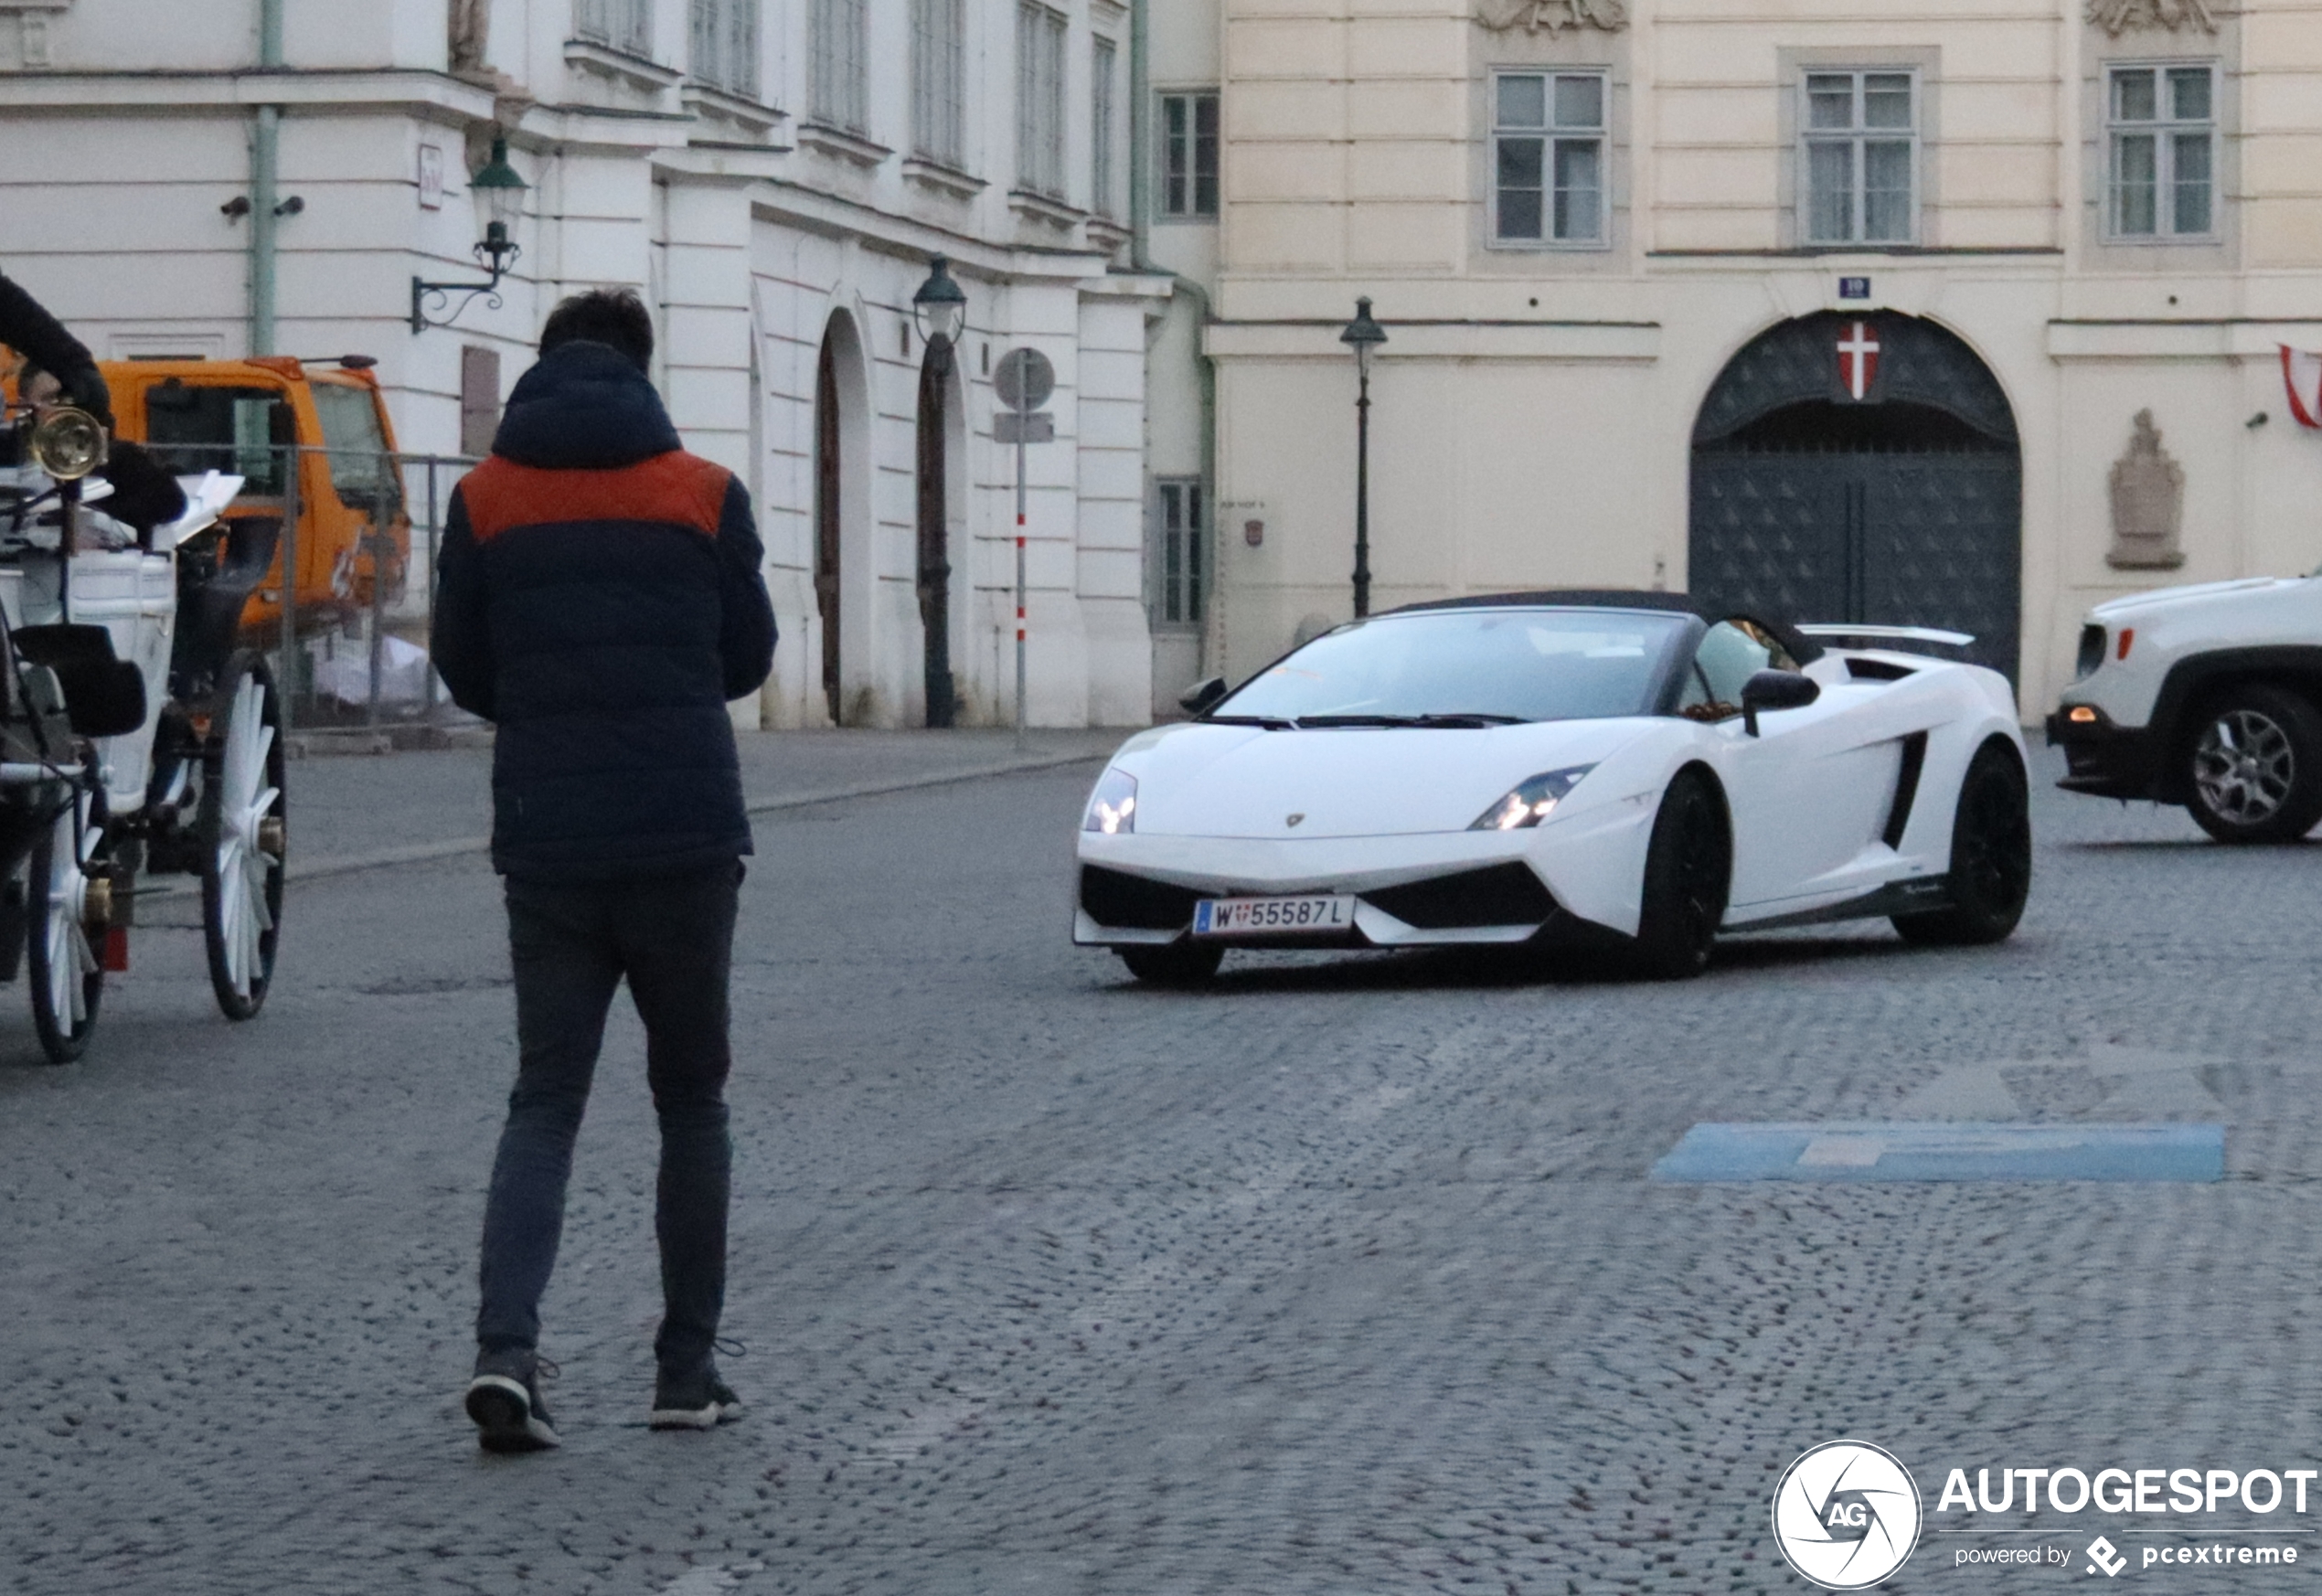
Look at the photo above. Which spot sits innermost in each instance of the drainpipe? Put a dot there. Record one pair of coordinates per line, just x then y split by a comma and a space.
264, 164
1141, 238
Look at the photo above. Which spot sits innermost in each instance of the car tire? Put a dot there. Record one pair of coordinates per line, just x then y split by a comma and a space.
1688, 867
2253, 765
1179, 964
1991, 856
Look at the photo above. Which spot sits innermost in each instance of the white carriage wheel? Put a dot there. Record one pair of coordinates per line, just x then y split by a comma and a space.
243, 837
61, 967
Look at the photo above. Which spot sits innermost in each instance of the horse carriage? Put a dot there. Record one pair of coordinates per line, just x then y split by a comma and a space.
137, 738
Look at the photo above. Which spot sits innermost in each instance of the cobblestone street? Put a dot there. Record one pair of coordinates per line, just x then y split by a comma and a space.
1342, 1276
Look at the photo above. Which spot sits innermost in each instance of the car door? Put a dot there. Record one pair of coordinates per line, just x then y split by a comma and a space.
1808, 796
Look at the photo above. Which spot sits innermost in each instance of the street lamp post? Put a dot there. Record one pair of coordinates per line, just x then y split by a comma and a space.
939, 310
1362, 334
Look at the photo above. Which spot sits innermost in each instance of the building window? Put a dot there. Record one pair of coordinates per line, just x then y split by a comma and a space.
2163, 123
1039, 99
939, 69
1548, 158
725, 46
1178, 510
1189, 154
1101, 116
1861, 158
625, 25
837, 51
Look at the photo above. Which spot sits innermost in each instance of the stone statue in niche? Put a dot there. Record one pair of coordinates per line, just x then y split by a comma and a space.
2119, 16
2149, 504
1552, 16
471, 25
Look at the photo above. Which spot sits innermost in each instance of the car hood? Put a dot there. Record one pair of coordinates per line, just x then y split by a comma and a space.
2163, 598
1245, 782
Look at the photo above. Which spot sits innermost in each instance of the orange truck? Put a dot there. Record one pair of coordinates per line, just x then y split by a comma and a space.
234, 416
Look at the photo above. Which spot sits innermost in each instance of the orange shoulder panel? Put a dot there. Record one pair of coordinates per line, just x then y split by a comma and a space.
675, 488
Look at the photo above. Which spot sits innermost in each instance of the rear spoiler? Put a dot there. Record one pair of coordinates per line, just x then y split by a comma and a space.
1889, 634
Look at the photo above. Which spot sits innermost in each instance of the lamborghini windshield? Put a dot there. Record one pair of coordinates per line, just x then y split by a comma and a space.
1464, 667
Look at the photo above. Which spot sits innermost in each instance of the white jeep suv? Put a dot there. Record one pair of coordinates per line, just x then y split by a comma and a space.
2210, 696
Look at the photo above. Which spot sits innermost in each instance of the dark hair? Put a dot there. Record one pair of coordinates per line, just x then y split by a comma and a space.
603, 315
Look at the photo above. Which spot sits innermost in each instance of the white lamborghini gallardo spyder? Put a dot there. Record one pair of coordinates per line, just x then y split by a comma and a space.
1631, 769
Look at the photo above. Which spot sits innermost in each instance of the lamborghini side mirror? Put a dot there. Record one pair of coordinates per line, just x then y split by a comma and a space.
1775, 690
1202, 697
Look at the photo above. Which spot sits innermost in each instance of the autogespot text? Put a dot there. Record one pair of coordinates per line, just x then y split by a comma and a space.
2130, 1491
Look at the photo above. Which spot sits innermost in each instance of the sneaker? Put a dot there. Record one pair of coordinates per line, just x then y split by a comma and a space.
699, 1401
504, 1399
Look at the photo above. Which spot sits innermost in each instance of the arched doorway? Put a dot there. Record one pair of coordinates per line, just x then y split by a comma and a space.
827, 498
1862, 468
933, 516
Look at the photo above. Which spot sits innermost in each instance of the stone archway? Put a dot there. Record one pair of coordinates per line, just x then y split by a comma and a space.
1862, 468
841, 447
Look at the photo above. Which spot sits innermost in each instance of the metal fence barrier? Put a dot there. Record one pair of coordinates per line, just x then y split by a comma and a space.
350, 650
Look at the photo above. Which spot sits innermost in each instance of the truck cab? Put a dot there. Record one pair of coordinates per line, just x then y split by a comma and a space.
238, 417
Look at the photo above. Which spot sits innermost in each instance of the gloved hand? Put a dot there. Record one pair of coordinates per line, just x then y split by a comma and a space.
85, 387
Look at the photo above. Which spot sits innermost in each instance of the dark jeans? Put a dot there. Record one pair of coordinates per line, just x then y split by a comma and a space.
673, 938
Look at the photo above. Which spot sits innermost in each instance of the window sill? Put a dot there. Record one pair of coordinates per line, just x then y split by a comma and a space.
1549, 247
2163, 240
1108, 234
846, 146
707, 100
1043, 207
607, 62
946, 180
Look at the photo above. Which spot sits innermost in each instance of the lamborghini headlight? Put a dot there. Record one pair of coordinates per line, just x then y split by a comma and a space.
1112, 807
1532, 802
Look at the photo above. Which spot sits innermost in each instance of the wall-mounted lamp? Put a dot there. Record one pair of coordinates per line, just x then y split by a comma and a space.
501, 192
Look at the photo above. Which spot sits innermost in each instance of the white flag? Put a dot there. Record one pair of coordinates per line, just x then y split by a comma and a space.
2302, 374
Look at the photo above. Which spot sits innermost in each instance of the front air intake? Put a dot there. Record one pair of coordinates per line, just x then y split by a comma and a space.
1133, 903
1498, 895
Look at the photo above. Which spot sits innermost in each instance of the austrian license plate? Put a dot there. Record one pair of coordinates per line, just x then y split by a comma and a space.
1251, 917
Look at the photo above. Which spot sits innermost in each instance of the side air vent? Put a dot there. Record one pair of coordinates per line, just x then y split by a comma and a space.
1500, 895
1116, 898
1877, 670
1914, 760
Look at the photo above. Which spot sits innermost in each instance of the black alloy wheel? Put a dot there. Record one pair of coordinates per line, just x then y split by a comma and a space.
2254, 766
1184, 963
1991, 856
1688, 867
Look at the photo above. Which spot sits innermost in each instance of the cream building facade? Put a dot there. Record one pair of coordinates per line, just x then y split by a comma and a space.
223, 178
1846, 308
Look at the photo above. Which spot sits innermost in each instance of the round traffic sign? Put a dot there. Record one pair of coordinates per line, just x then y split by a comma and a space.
1024, 379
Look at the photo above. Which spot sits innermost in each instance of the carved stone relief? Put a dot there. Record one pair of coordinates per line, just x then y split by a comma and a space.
2119, 16
1552, 16
2148, 502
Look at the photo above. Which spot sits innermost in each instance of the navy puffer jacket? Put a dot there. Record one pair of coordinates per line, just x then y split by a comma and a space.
599, 598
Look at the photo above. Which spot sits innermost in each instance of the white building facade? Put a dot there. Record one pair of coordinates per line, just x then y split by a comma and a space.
772, 176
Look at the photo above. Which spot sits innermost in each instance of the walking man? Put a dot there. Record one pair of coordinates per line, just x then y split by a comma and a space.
601, 600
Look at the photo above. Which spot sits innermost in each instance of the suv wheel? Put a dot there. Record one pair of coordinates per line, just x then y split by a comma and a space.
2254, 766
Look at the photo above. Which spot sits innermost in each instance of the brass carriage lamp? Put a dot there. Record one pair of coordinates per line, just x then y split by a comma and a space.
501, 190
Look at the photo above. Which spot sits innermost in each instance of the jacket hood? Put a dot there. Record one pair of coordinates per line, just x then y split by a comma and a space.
584, 407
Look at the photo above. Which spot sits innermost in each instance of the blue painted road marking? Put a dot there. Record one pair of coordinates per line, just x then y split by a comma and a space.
1883, 1150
